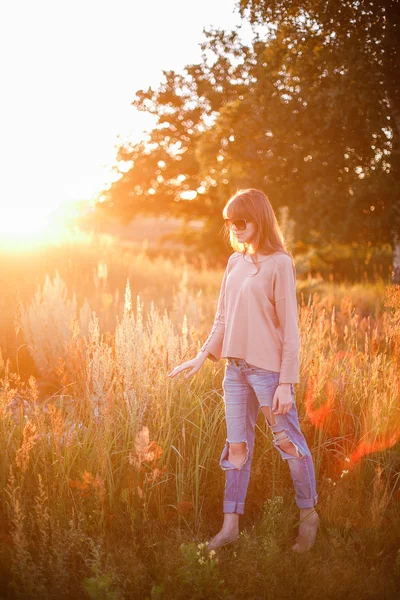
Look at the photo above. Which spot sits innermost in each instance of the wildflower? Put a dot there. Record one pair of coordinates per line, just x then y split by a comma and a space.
56, 422
89, 484
145, 450
212, 553
29, 439
156, 473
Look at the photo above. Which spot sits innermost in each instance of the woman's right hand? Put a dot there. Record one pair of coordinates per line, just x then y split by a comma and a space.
194, 364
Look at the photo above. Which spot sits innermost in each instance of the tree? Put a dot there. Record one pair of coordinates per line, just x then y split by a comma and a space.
303, 112
166, 175
360, 39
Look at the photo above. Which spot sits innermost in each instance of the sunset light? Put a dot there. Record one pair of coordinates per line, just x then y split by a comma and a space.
186, 406
15, 220
60, 145
41, 222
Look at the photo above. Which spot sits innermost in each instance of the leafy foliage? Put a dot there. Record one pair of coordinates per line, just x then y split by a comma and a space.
308, 112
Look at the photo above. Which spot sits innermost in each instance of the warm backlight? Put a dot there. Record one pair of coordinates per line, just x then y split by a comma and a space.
22, 226
23, 220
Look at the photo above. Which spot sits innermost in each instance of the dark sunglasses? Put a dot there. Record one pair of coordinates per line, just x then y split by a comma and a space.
240, 224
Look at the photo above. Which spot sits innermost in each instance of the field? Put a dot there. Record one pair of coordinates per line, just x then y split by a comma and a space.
110, 476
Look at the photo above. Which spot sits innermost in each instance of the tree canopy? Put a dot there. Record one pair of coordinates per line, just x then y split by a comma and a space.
308, 112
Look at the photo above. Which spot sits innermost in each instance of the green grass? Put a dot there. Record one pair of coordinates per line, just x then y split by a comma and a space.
110, 478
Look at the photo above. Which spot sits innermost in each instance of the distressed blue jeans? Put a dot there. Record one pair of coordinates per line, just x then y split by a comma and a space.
246, 389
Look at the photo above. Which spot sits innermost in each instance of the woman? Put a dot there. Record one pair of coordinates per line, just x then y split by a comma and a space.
256, 329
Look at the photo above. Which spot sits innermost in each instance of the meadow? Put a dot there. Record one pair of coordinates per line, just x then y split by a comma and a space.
110, 476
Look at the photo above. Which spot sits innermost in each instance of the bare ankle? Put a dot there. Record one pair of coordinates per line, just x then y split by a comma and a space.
304, 512
309, 522
231, 521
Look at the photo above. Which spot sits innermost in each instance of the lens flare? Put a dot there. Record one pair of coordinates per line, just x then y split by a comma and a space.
375, 429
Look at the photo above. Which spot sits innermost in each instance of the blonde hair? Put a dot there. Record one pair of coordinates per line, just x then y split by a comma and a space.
253, 205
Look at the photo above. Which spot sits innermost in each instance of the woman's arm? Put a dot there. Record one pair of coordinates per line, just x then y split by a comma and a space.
213, 344
286, 311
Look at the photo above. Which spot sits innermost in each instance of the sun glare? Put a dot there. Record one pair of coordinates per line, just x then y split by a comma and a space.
20, 221
24, 226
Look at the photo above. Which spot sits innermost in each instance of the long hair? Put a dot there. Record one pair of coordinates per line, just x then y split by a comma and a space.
253, 205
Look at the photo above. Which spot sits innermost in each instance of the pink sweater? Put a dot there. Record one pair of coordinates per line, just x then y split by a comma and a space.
256, 317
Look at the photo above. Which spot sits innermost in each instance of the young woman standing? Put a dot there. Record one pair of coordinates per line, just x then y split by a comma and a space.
256, 330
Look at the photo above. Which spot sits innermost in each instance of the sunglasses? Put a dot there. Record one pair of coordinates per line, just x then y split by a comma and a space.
240, 224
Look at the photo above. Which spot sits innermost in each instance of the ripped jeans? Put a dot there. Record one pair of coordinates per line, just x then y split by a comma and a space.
246, 389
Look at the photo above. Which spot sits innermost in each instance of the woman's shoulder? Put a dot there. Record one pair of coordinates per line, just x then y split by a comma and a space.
282, 259
234, 256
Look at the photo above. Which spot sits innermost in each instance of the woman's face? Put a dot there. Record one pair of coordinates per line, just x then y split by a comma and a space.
245, 236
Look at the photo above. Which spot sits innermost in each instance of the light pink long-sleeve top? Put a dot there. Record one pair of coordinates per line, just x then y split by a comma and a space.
257, 317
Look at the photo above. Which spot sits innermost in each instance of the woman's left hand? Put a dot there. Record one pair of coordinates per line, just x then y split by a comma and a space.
282, 402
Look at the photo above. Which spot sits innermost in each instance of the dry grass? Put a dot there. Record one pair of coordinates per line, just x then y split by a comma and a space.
110, 472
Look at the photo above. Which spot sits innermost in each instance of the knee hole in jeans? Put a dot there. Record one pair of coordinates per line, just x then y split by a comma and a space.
281, 437
284, 442
238, 453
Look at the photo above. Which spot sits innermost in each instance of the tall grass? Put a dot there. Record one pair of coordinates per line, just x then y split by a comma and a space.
110, 475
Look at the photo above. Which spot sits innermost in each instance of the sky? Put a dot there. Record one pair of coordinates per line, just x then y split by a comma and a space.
69, 72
